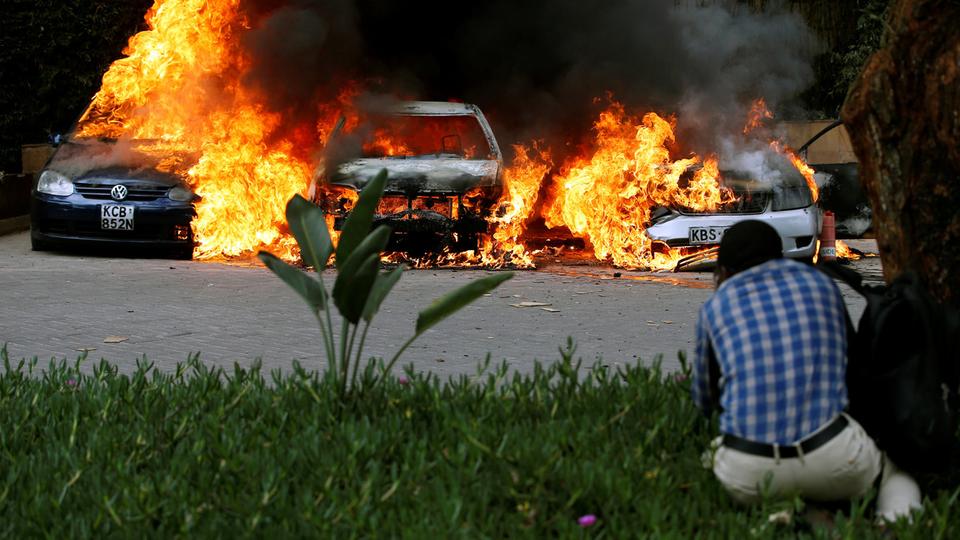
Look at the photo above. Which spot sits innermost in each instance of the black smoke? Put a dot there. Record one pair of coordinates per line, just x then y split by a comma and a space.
302, 51
537, 67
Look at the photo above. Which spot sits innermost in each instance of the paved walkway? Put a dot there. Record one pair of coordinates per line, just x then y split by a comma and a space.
56, 305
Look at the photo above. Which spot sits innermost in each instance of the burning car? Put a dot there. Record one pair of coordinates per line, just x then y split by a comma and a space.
107, 193
786, 203
444, 175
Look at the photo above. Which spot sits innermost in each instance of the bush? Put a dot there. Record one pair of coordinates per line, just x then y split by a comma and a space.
202, 452
53, 54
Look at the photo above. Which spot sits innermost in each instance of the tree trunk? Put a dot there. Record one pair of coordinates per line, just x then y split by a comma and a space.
903, 116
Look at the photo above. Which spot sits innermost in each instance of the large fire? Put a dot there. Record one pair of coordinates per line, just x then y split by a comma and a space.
179, 90
606, 197
522, 181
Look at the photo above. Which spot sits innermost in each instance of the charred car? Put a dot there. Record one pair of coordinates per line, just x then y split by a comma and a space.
101, 193
784, 202
444, 175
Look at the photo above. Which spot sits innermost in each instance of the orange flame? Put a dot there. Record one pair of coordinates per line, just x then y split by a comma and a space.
522, 181
755, 118
801, 165
385, 144
757, 114
399, 136
844, 251
606, 198
178, 90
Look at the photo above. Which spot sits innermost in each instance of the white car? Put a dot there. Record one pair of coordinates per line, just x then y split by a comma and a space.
787, 205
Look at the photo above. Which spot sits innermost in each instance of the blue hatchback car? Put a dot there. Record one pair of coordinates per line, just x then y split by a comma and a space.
90, 196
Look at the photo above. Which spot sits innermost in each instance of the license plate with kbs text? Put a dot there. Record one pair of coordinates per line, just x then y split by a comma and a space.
116, 217
706, 235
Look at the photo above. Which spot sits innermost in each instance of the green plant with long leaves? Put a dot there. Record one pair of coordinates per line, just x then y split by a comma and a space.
360, 287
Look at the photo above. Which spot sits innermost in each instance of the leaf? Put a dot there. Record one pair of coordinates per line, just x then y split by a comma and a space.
309, 226
355, 288
298, 280
358, 223
381, 288
350, 293
346, 289
454, 300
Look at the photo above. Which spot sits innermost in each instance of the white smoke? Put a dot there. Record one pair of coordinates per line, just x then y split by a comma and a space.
755, 161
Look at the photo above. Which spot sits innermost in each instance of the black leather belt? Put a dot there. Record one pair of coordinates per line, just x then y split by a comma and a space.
807, 445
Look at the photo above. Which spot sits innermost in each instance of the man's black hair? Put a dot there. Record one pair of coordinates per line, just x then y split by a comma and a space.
748, 244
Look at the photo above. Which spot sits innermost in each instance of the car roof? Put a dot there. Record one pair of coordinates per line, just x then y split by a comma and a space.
431, 108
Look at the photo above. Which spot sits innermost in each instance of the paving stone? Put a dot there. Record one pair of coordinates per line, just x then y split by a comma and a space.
54, 304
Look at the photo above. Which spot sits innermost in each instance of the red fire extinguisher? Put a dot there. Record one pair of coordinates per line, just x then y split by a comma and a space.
828, 238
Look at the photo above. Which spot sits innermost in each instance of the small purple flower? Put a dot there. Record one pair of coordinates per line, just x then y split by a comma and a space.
402, 380
587, 520
680, 377
71, 382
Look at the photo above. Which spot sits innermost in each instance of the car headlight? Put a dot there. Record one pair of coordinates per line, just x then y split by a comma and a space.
54, 183
181, 194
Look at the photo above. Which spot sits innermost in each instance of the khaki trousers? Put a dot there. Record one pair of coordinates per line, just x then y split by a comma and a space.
842, 469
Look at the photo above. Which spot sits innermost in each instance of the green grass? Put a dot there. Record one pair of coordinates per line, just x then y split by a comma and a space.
204, 453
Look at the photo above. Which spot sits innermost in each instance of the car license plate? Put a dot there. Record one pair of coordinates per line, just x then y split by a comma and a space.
706, 235
116, 217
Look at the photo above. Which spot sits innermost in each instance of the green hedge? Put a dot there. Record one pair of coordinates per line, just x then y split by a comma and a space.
202, 452
53, 54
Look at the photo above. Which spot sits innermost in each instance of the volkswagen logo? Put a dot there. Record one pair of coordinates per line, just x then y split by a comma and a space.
119, 192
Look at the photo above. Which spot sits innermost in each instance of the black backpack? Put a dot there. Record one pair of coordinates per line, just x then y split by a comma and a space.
903, 374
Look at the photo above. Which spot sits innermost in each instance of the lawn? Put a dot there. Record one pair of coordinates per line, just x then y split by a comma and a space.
206, 453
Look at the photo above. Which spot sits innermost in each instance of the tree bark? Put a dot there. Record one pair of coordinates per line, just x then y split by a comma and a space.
903, 116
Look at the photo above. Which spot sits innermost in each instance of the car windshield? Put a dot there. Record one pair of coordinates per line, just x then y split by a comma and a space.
420, 136
789, 192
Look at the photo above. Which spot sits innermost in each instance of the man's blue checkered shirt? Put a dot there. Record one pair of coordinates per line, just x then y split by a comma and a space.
778, 333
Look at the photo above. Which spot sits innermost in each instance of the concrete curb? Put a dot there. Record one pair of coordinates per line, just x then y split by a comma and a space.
14, 224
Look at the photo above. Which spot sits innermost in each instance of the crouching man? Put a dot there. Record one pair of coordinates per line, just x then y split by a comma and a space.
771, 358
